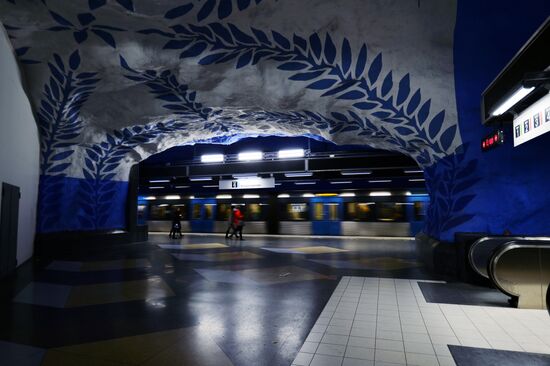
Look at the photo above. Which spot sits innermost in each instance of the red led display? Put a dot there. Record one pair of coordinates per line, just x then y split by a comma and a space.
494, 139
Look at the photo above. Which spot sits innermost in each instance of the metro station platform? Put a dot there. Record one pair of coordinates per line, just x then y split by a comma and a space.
266, 300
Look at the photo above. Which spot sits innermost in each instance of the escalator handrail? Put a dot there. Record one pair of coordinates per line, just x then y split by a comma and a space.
501, 250
488, 237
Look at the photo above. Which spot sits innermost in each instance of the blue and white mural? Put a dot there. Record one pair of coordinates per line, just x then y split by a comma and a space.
114, 81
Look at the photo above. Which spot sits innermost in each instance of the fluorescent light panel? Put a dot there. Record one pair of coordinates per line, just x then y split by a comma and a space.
283, 195
413, 171
224, 196
172, 197
512, 100
246, 175
212, 158
300, 174
308, 195
347, 194
342, 182
160, 181
417, 180
150, 198
250, 155
211, 186
251, 196
181, 187
291, 153
380, 194
380, 181
304, 183
156, 187
364, 172
199, 179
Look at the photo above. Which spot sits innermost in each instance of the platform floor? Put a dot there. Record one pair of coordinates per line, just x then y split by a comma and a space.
203, 300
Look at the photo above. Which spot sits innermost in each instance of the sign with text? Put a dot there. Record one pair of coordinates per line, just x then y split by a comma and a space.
247, 183
532, 122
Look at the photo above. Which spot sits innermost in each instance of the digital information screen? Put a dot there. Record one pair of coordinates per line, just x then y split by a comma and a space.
533, 121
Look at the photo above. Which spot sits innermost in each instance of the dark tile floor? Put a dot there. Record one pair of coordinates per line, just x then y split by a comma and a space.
200, 300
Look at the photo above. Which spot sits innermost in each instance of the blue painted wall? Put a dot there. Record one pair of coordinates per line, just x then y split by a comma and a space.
509, 189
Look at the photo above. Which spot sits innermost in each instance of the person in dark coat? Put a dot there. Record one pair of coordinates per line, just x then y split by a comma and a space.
176, 226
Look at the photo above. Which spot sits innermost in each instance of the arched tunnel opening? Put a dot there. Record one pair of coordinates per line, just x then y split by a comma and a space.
273, 182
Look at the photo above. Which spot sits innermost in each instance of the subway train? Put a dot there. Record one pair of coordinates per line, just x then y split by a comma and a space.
349, 214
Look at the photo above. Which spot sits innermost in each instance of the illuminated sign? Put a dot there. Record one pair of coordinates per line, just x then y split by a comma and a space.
532, 122
493, 140
247, 183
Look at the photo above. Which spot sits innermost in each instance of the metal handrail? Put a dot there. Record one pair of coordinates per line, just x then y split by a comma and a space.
503, 249
506, 239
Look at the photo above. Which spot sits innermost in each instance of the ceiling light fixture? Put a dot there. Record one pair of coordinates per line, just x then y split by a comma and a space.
160, 181
512, 100
304, 183
350, 172
212, 158
156, 187
413, 171
200, 179
283, 195
308, 195
250, 155
417, 180
347, 194
299, 174
224, 196
380, 181
342, 182
380, 194
150, 198
172, 197
247, 196
291, 153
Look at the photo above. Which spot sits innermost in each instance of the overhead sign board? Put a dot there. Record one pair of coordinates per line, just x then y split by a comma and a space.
533, 121
247, 183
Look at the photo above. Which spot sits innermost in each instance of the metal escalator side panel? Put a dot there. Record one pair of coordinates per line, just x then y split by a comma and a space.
519, 270
481, 251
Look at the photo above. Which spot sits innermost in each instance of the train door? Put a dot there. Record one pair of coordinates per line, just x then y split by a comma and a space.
327, 215
202, 214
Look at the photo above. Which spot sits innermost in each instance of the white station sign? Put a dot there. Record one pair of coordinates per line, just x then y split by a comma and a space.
247, 183
532, 122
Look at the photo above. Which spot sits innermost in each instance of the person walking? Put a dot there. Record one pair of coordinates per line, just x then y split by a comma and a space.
238, 223
230, 227
176, 226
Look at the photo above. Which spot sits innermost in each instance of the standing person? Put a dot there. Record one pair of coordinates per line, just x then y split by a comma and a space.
176, 226
230, 227
238, 222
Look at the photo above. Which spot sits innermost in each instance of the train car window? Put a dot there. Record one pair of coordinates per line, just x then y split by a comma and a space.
223, 211
161, 212
318, 211
209, 209
359, 211
295, 212
389, 211
419, 211
181, 209
333, 211
196, 211
253, 212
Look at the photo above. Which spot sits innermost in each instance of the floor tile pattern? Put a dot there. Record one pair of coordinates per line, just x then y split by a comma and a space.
471, 356
375, 321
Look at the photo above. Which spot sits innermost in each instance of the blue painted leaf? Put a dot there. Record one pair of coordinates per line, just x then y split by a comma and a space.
306, 75
244, 59
462, 202
315, 43
340, 88
293, 65
108, 27
330, 49
381, 114
387, 84
94, 4
225, 8
80, 36
59, 168
106, 37
424, 112
281, 40
60, 20
241, 36
366, 105
178, 11
62, 155
404, 131
127, 4
352, 95
221, 32
243, 4
261, 36
447, 137
414, 102
155, 31
346, 56
85, 18
339, 116
194, 50
55, 72
436, 123
206, 10
59, 62
210, 59
361, 62
350, 128
74, 60
58, 28
86, 75
404, 90
21, 51
455, 221
321, 84
300, 42
375, 68
464, 186
109, 168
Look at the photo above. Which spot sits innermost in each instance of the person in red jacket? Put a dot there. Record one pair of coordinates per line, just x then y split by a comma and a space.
238, 223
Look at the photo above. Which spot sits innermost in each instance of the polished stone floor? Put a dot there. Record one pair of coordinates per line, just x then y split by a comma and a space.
201, 300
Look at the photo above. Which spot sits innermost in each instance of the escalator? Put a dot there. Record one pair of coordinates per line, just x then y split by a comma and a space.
517, 266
